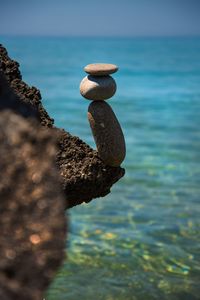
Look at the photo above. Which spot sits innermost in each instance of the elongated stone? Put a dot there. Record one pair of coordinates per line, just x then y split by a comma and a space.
107, 133
100, 69
98, 88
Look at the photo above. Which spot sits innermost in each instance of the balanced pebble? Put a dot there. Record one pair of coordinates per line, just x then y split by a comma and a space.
98, 88
107, 133
100, 69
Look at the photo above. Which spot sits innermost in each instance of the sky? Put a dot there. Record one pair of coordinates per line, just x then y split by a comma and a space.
100, 17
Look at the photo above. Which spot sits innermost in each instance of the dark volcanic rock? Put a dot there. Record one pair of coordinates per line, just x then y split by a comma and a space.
83, 173
9, 100
27, 94
84, 176
32, 220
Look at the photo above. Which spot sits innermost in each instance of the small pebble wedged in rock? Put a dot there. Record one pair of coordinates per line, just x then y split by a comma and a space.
98, 87
107, 133
100, 69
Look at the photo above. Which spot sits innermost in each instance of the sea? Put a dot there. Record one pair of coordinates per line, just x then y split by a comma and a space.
142, 241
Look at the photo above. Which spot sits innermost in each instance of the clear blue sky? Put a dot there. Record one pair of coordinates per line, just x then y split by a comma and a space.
100, 18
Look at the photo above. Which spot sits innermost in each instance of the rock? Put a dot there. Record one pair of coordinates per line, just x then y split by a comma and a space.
100, 69
82, 170
26, 94
107, 133
98, 88
9, 100
79, 165
32, 217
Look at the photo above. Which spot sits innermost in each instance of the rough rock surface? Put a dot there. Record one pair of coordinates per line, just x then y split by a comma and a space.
84, 176
9, 100
27, 94
32, 219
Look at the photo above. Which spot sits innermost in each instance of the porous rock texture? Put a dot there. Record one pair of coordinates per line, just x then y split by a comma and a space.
83, 174
32, 218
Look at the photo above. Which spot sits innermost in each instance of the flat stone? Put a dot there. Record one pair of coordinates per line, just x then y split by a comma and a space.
100, 69
107, 133
98, 88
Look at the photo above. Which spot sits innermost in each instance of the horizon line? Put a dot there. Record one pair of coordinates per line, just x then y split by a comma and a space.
100, 36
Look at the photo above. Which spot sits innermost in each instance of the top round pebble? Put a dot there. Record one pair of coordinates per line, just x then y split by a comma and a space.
99, 69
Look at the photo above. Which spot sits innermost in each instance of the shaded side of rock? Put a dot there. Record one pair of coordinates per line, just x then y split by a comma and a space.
29, 95
9, 100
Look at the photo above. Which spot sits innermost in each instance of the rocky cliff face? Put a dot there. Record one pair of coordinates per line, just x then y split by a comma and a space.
83, 174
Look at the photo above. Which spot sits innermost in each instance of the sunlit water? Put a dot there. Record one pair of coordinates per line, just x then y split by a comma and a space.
141, 242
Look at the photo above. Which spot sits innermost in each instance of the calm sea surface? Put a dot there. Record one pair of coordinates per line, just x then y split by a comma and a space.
141, 242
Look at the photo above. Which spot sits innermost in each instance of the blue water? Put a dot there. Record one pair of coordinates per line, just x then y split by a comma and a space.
141, 242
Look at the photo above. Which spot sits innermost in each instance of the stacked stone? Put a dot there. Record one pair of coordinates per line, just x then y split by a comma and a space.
99, 86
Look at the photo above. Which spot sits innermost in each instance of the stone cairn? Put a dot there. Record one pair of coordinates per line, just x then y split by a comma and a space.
99, 86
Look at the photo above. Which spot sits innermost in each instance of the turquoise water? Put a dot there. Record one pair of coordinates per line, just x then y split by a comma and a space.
141, 242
